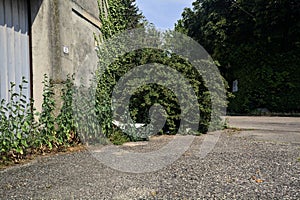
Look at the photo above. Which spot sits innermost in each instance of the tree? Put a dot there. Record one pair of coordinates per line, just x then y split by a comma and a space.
256, 42
119, 15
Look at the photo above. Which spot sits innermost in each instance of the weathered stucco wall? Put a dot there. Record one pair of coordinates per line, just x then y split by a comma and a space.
62, 40
90, 6
42, 48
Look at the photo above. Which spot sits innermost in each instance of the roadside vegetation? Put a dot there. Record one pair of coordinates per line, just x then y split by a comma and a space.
254, 42
25, 132
116, 19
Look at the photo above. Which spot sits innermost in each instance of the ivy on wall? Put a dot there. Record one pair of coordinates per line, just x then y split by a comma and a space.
118, 15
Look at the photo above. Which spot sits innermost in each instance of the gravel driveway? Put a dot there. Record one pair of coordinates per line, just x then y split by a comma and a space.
261, 162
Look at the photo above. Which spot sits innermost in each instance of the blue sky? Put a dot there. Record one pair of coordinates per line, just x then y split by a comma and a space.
163, 13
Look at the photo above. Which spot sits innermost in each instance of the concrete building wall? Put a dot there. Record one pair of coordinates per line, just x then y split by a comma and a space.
41, 46
90, 6
63, 42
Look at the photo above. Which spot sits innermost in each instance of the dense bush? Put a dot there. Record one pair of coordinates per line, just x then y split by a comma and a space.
148, 95
151, 94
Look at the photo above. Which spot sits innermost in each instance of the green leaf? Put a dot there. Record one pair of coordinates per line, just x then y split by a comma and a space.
19, 135
24, 143
20, 150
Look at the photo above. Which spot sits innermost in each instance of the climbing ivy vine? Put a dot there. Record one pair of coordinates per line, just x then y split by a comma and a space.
118, 15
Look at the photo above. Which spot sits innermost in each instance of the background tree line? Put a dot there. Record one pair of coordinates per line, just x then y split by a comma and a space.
255, 42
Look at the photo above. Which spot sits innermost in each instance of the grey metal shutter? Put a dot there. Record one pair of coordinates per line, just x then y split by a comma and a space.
14, 45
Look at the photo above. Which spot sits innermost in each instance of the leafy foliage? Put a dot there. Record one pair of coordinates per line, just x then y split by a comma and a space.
148, 95
20, 133
47, 133
67, 126
16, 125
257, 43
86, 115
114, 22
118, 15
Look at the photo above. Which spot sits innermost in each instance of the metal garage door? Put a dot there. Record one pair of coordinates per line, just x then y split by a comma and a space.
14, 45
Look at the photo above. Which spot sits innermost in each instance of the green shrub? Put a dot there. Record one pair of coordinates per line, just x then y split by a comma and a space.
66, 123
47, 131
148, 95
21, 133
16, 124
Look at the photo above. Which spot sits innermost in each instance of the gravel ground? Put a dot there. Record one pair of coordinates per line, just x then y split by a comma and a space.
238, 167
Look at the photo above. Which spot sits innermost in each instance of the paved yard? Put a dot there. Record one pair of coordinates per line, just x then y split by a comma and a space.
261, 161
280, 129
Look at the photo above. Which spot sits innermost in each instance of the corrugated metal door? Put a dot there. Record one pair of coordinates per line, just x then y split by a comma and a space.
14, 45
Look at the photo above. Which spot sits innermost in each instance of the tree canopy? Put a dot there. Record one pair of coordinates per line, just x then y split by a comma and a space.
257, 43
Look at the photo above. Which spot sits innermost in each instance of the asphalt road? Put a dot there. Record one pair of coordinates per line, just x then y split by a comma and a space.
259, 161
277, 129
